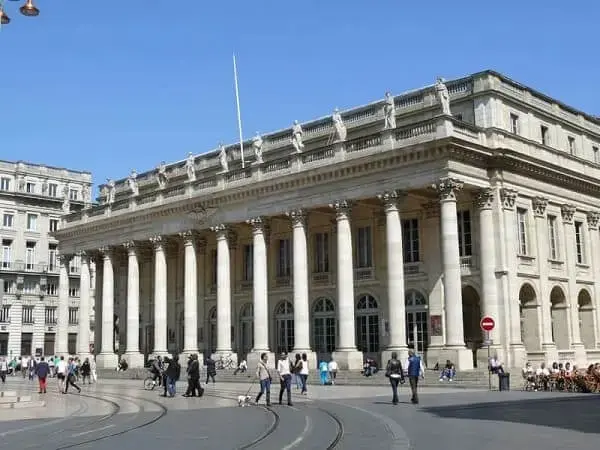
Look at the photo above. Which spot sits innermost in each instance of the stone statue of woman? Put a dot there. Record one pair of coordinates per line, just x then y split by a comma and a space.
297, 137
132, 182
190, 167
110, 198
389, 111
338, 124
223, 158
443, 96
257, 144
161, 175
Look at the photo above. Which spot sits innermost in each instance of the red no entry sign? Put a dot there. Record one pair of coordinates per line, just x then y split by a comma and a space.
487, 324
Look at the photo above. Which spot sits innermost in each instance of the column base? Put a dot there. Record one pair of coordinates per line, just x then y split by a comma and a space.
253, 359
311, 357
134, 360
550, 352
462, 357
402, 353
517, 356
348, 359
107, 361
224, 354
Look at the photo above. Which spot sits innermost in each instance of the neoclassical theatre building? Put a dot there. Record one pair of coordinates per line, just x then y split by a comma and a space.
394, 225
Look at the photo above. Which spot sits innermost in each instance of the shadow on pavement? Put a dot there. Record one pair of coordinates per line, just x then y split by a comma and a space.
573, 413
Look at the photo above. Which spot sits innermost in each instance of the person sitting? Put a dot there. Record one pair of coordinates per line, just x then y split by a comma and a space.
448, 372
543, 376
241, 368
495, 366
529, 377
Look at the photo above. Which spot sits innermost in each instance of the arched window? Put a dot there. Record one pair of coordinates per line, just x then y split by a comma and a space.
212, 335
284, 326
247, 330
417, 320
323, 326
367, 324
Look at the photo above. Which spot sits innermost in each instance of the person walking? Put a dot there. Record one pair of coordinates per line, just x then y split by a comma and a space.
42, 371
3, 369
303, 373
264, 377
93, 372
86, 371
71, 377
415, 371
61, 374
173, 373
285, 378
193, 372
395, 374
211, 370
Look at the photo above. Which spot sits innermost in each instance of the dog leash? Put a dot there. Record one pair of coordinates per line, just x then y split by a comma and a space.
251, 386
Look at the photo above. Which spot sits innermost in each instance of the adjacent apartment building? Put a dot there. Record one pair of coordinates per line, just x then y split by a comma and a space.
33, 198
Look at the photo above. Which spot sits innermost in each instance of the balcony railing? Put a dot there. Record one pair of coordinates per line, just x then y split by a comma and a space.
283, 281
321, 277
364, 274
20, 266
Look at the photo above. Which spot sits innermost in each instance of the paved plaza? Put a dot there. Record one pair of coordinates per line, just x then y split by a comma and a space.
120, 412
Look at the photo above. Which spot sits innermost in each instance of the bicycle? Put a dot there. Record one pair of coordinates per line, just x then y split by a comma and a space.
225, 363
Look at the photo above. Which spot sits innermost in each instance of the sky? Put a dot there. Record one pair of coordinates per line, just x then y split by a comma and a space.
107, 87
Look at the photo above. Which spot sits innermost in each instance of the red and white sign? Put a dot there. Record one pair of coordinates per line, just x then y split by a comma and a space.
487, 323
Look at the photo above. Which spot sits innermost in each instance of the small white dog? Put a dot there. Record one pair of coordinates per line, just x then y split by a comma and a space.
243, 400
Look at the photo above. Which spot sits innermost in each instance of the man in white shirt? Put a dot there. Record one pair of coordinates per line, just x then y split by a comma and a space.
285, 377
332, 368
543, 375
61, 374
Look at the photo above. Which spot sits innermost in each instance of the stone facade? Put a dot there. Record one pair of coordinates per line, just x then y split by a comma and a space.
402, 233
33, 198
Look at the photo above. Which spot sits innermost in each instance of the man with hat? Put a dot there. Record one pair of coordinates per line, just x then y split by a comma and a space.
285, 376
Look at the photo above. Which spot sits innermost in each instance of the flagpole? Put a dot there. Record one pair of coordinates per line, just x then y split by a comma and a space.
239, 114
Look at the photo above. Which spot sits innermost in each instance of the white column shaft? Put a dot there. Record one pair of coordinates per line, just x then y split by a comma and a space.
223, 294
571, 263
190, 299
62, 333
261, 301
395, 272
160, 300
108, 298
84, 308
452, 275
595, 246
300, 267
545, 326
133, 302
345, 284
489, 301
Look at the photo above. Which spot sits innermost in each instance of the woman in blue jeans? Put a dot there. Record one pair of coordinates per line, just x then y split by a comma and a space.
173, 372
262, 373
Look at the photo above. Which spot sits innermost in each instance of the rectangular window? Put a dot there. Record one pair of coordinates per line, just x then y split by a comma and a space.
5, 184
410, 240
514, 123
50, 315
213, 258
27, 315
73, 315
74, 288
73, 194
53, 225
8, 220
52, 288
522, 231
75, 264
52, 258
544, 133
248, 262
364, 248
553, 238
53, 190
5, 314
29, 255
465, 247
30, 187
30, 287
580, 242
284, 264
596, 152
572, 148
32, 222
6, 254
321, 253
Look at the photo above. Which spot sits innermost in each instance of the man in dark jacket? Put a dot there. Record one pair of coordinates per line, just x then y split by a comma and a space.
193, 372
415, 371
42, 371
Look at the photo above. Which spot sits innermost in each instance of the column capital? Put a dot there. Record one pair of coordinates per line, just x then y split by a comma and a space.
105, 252
343, 208
509, 198
158, 242
432, 209
189, 237
485, 198
130, 247
222, 231
390, 200
65, 259
448, 188
298, 217
539, 206
593, 218
85, 256
567, 211
258, 224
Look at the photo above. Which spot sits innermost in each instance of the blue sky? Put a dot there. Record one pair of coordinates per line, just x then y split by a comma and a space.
111, 86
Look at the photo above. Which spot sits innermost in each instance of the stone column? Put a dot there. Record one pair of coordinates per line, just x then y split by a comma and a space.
593, 219
223, 294
160, 296
568, 213
190, 295
395, 277
200, 263
62, 325
85, 287
487, 254
260, 293
107, 359
346, 354
448, 189
132, 348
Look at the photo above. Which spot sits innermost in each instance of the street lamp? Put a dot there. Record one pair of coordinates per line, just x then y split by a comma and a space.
28, 9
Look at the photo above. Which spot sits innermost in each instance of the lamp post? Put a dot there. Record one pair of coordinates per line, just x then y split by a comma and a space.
27, 9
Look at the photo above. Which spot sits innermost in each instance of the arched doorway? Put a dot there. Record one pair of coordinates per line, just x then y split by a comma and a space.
528, 310
417, 321
367, 326
560, 318
586, 319
247, 330
212, 330
471, 328
284, 326
324, 330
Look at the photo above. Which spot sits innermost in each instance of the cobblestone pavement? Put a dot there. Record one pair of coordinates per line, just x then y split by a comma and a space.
119, 412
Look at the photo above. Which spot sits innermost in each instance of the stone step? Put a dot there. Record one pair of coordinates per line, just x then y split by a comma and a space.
20, 405
19, 399
8, 394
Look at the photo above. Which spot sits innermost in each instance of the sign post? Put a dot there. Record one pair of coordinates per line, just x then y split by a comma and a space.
487, 324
